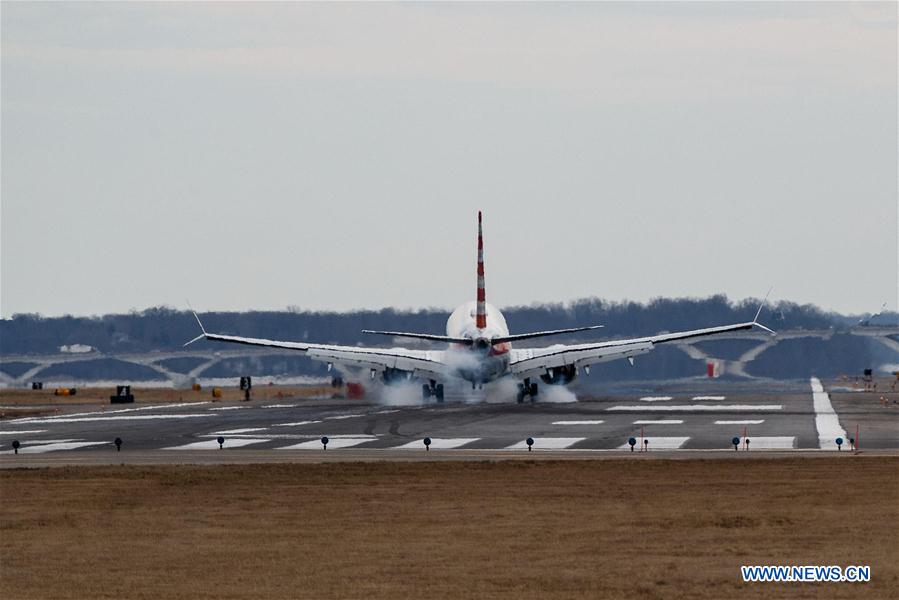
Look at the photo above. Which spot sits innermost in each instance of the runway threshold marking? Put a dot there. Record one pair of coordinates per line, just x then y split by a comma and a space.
746, 422
437, 443
585, 422
699, 407
333, 443
42, 448
660, 422
547, 443
826, 420
659, 442
214, 445
771, 442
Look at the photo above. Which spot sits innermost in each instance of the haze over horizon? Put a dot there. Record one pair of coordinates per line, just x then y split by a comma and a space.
333, 157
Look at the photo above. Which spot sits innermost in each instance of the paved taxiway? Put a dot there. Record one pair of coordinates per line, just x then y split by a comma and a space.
292, 429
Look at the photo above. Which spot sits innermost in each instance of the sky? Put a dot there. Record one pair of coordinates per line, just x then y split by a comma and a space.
334, 156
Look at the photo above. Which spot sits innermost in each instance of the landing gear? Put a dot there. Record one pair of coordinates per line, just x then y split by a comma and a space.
527, 389
432, 389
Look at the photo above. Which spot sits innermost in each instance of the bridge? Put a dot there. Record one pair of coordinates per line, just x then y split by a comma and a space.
208, 358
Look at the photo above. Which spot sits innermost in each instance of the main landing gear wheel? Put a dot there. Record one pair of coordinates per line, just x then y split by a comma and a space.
433, 389
527, 389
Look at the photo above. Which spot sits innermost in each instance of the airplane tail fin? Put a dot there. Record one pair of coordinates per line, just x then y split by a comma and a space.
481, 315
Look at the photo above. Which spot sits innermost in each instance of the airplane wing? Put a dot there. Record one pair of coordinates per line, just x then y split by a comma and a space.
420, 363
533, 362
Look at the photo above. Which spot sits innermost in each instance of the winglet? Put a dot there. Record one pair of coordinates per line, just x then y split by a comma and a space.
200, 323
755, 320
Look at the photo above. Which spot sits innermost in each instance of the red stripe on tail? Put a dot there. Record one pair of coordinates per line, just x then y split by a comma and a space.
481, 315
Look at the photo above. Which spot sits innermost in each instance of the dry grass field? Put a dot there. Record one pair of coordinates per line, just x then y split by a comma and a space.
578, 529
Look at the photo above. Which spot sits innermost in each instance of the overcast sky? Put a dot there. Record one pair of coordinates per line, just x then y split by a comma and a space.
334, 156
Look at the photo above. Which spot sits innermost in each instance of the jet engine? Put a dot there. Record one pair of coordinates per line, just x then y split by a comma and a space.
395, 376
559, 375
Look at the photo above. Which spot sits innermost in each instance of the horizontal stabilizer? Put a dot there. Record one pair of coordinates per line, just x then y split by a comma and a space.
536, 334
422, 336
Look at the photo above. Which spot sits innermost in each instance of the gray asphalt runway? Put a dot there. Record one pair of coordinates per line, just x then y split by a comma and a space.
292, 429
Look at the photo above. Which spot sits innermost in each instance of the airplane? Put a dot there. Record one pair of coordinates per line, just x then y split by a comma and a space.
479, 349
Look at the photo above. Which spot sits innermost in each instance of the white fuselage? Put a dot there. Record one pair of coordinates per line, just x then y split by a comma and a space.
483, 361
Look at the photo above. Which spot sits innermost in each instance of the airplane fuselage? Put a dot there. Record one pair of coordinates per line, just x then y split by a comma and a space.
482, 361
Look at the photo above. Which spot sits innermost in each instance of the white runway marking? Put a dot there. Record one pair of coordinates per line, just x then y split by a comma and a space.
386, 412
748, 422
333, 443
701, 398
280, 406
338, 417
22, 432
42, 448
296, 423
438, 443
123, 410
229, 407
661, 422
655, 398
658, 443
826, 420
214, 445
118, 418
64, 441
547, 443
700, 407
244, 430
578, 422
771, 442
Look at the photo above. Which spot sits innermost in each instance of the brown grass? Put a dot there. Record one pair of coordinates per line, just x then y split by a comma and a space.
618, 529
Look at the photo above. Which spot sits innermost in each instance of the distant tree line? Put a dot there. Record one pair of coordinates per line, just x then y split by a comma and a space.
164, 328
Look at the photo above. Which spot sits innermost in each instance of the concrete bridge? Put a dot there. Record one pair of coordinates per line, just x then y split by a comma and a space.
208, 358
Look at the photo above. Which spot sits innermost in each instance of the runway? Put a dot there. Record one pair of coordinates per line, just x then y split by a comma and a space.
662, 425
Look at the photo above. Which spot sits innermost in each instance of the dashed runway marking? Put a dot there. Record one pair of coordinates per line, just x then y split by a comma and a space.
701, 407
595, 422
438, 443
48, 420
229, 407
547, 443
244, 430
746, 422
655, 398
214, 445
338, 417
296, 423
660, 422
25, 432
701, 398
659, 443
